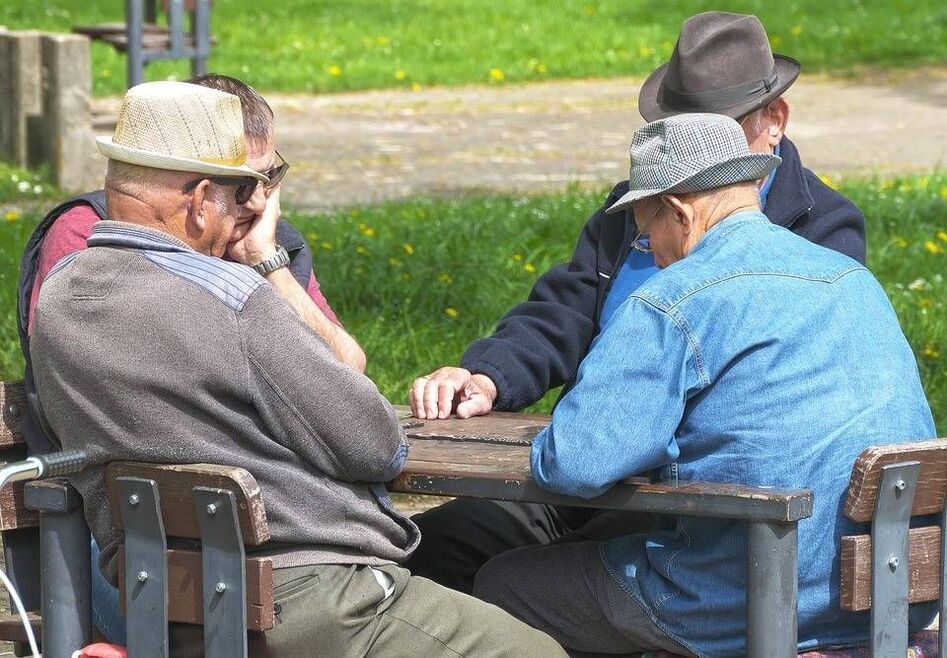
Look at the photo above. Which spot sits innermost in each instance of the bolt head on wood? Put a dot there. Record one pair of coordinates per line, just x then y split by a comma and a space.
212, 508
900, 485
142, 576
220, 588
133, 499
13, 410
893, 562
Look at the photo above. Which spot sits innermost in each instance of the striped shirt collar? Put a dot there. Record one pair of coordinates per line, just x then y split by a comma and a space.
111, 233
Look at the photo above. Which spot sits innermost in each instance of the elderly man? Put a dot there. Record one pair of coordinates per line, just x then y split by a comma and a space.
723, 64
148, 346
752, 357
65, 230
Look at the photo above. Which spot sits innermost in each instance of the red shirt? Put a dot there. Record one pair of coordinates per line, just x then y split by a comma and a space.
69, 233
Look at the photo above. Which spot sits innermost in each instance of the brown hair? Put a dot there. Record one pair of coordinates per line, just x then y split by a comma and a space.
257, 113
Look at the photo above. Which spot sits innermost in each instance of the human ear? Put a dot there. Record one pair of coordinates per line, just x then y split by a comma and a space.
196, 219
777, 116
681, 210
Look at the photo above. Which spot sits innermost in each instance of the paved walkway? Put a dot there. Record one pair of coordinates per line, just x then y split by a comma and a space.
372, 146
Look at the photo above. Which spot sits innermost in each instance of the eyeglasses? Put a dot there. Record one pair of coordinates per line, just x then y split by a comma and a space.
276, 172
641, 243
245, 186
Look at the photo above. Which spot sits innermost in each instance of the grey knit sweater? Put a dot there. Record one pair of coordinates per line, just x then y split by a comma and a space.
145, 350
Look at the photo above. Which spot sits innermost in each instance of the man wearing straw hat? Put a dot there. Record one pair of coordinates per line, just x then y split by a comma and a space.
148, 346
752, 357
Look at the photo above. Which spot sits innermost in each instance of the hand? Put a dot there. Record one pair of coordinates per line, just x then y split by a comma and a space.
257, 242
447, 389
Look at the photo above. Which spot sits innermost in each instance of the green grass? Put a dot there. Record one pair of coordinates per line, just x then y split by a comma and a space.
318, 46
416, 281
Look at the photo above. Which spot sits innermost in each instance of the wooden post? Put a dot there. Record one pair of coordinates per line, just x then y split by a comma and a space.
67, 129
20, 93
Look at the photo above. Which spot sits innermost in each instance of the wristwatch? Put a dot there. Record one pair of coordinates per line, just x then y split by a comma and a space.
273, 263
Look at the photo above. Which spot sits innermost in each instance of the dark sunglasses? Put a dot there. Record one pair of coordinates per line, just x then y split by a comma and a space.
276, 172
245, 186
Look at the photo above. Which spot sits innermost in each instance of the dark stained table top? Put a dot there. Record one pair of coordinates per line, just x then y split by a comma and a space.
488, 457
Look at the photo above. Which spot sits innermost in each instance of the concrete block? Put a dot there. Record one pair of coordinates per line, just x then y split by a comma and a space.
20, 92
67, 124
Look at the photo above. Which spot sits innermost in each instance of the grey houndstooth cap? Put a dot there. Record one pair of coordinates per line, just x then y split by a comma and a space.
690, 153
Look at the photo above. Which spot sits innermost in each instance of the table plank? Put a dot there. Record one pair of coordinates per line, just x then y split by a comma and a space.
488, 457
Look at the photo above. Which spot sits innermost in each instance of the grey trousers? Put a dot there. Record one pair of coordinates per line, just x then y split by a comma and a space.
341, 611
565, 590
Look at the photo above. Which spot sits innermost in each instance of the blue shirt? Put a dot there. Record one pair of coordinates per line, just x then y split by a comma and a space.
760, 359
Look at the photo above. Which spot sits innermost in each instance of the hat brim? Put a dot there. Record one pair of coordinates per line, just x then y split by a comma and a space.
142, 158
787, 70
752, 166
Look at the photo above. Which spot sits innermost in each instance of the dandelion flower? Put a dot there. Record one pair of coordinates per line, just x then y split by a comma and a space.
796, 30
450, 312
408, 248
775, 40
933, 247
517, 257
325, 244
361, 250
382, 41
312, 237
497, 75
11, 216
529, 267
942, 235
943, 192
899, 242
394, 262
445, 278
334, 71
931, 352
400, 75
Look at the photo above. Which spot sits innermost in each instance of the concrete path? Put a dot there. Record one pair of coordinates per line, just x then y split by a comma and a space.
367, 147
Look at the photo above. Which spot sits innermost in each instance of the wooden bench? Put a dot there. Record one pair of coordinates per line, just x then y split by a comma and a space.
144, 40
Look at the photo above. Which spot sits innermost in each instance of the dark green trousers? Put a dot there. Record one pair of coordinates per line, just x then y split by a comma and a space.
341, 610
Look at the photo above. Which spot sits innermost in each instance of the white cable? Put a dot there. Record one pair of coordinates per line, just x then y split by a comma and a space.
19, 608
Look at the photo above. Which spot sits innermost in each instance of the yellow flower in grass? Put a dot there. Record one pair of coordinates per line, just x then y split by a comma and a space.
11, 215
925, 303
312, 237
361, 250
400, 75
382, 41
497, 75
394, 262
517, 257
406, 276
325, 244
450, 312
415, 86
445, 278
408, 248
933, 247
529, 267
943, 192
899, 242
366, 230
931, 352
942, 235
334, 71
796, 30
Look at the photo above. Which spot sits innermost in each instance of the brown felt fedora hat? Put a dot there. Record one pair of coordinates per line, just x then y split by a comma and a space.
723, 64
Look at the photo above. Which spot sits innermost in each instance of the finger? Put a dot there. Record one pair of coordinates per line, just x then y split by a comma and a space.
445, 398
417, 397
477, 404
430, 398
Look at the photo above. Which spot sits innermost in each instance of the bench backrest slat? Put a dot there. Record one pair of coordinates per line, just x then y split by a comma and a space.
175, 483
866, 475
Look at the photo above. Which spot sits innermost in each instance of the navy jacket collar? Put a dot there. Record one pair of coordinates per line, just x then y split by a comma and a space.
790, 196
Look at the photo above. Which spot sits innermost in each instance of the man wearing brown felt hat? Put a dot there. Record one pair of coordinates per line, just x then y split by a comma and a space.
722, 64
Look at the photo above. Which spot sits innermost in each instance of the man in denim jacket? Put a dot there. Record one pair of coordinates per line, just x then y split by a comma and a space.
752, 357
721, 64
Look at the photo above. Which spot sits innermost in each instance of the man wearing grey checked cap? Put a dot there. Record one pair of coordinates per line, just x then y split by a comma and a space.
753, 357
722, 64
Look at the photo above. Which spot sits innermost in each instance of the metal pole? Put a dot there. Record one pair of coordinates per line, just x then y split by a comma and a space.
772, 589
134, 11
66, 582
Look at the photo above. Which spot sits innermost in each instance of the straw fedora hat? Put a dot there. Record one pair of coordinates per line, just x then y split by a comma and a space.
690, 153
181, 127
722, 63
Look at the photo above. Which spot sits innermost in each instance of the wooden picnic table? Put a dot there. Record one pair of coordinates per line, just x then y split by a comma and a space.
488, 457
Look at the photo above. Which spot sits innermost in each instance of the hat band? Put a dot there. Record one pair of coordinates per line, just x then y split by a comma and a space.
720, 99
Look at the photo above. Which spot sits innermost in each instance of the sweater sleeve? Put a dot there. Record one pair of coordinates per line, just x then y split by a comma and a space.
538, 345
329, 414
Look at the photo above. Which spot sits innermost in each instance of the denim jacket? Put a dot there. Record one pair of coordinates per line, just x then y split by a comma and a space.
760, 359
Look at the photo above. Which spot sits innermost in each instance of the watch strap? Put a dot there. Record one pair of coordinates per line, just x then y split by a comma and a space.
274, 262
